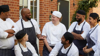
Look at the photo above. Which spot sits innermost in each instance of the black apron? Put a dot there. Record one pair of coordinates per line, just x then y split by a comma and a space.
61, 54
28, 53
45, 51
7, 52
80, 43
31, 35
90, 42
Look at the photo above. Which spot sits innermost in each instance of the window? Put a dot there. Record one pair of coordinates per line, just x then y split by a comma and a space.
32, 5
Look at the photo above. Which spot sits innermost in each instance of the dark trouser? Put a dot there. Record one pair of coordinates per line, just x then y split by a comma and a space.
7, 52
45, 51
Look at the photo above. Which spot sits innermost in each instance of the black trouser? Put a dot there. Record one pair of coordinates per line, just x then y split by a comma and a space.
45, 50
7, 52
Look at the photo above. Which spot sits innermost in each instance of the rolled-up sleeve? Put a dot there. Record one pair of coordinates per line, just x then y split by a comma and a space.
86, 29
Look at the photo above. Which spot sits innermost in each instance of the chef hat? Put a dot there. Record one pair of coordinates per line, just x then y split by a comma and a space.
82, 12
4, 8
20, 34
69, 36
57, 14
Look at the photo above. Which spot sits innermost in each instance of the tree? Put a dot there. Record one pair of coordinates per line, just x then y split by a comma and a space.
85, 5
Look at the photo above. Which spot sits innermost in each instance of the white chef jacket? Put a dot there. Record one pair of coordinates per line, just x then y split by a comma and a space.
18, 51
72, 52
95, 37
97, 52
6, 43
53, 33
86, 28
27, 24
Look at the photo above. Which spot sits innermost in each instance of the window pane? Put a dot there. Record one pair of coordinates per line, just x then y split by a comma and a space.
31, 11
35, 9
35, 12
21, 2
35, 2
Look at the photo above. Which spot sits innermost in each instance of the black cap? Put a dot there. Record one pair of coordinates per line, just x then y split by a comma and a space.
82, 12
4, 8
69, 36
20, 34
94, 16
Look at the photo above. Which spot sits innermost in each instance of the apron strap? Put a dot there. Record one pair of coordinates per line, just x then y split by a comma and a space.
75, 26
93, 29
68, 49
23, 24
82, 26
20, 47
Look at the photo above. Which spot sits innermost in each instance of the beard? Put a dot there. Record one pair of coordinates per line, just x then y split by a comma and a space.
63, 43
79, 20
28, 18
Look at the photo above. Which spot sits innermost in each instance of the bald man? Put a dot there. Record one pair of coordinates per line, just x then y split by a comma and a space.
30, 26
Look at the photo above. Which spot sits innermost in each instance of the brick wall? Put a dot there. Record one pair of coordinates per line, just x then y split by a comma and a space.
46, 6
14, 8
73, 9
97, 9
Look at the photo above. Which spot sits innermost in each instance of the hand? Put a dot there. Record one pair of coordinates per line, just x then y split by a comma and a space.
42, 37
49, 49
85, 48
9, 35
12, 26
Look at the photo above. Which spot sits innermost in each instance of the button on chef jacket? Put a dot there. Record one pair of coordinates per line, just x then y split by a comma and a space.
6, 43
53, 33
72, 52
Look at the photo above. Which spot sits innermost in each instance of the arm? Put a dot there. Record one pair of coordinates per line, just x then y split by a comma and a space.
56, 49
83, 35
47, 45
10, 31
77, 36
40, 37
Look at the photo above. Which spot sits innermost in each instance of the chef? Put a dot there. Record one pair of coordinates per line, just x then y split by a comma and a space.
30, 26
22, 47
6, 37
80, 29
93, 37
53, 31
65, 47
